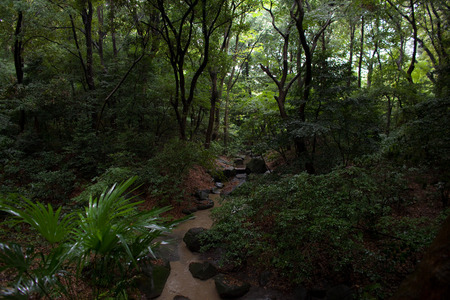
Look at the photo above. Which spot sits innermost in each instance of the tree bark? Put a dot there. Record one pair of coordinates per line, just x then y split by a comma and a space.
361, 52
18, 63
352, 41
101, 34
212, 110
87, 21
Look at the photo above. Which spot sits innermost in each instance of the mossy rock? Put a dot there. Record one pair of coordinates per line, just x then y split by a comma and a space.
152, 287
203, 271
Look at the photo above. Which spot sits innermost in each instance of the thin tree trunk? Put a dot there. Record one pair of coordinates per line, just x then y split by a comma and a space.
87, 21
112, 10
388, 115
212, 110
101, 34
361, 52
352, 41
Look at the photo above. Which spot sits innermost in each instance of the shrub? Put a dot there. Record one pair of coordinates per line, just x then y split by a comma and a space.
102, 182
164, 173
295, 223
103, 244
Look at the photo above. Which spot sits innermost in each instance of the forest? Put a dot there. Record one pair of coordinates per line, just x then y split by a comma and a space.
110, 111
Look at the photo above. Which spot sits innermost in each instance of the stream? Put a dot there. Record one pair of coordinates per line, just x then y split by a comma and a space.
180, 281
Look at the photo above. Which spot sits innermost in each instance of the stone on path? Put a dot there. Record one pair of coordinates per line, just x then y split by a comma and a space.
203, 271
151, 283
193, 240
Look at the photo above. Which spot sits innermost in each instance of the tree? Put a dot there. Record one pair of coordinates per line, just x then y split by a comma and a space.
178, 31
282, 84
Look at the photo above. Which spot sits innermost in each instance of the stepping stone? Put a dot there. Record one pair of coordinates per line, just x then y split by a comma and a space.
192, 238
203, 271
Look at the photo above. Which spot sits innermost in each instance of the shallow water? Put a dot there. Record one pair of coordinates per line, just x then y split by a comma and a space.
180, 281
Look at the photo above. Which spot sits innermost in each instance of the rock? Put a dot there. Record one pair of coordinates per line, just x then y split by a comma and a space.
152, 285
431, 279
202, 205
193, 240
239, 162
228, 287
215, 191
203, 270
188, 211
202, 195
219, 185
229, 172
340, 292
257, 166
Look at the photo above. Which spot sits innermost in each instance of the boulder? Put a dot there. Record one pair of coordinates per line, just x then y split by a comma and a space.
192, 238
257, 166
229, 287
206, 204
202, 195
219, 185
239, 162
203, 271
188, 211
229, 172
152, 280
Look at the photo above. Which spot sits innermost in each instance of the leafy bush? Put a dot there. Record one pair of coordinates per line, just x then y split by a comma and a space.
298, 222
164, 173
40, 175
102, 244
102, 182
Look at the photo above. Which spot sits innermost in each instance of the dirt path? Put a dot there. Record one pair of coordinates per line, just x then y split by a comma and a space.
180, 281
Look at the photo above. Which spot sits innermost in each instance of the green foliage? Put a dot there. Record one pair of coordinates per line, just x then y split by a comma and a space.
104, 243
102, 182
40, 175
49, 223
165, 172
297, 222
86, 149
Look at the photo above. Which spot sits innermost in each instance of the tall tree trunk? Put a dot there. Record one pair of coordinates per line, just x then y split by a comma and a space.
87, 21
18, 63
112, 25
361, 52
226, 118
212, 110
352, 41
101, 34
413, 57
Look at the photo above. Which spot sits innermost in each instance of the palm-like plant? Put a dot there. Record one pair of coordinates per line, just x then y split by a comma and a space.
107, 238
48, 222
